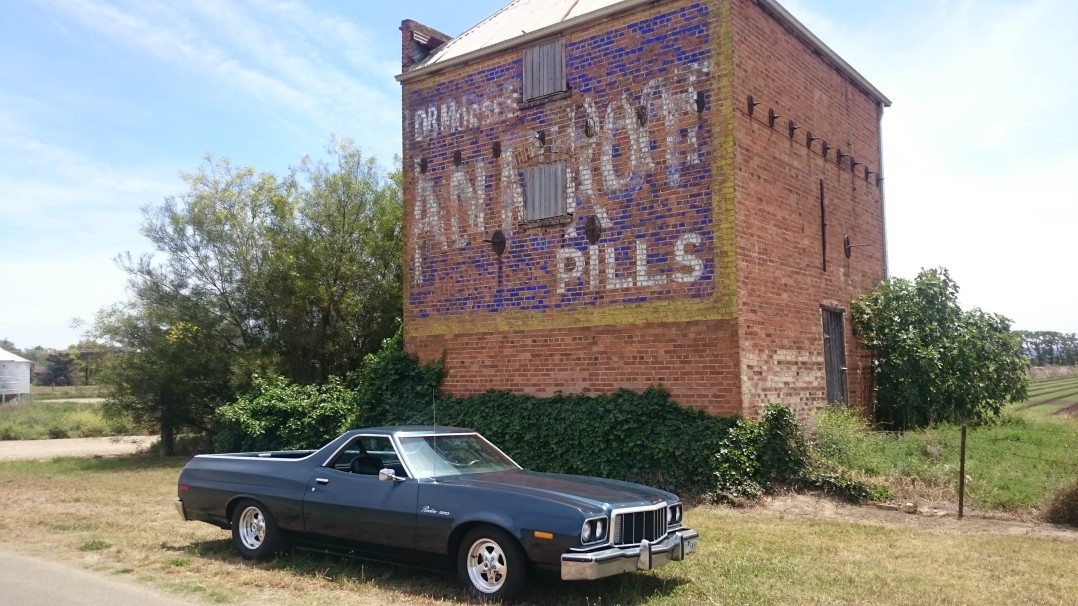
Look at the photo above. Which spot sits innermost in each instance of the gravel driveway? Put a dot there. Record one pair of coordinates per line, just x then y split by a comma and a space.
14, 450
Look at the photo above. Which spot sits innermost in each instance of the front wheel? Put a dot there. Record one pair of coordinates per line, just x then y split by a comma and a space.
491, 564
254, 533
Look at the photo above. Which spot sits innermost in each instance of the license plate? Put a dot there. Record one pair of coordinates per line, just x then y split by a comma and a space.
688, 546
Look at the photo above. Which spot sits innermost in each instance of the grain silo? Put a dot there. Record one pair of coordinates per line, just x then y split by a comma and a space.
14, 376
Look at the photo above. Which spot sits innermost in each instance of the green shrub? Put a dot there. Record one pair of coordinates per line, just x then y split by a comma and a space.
1063, 508
782, 449
736, 466
639, 437
393, 386
840, 437
755, 456
279, 415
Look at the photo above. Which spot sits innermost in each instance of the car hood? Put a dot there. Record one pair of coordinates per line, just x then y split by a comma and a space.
583, 492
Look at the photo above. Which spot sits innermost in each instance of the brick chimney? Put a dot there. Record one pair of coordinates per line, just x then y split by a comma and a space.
418, 42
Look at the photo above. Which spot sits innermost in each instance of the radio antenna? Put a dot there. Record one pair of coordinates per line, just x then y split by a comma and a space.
434, 460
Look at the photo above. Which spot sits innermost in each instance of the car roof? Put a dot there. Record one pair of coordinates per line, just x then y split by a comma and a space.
413, 430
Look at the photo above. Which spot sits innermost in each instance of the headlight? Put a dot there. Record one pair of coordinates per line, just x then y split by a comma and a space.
673, 514
593, 530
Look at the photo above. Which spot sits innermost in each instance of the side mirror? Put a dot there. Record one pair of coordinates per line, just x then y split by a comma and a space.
388, 474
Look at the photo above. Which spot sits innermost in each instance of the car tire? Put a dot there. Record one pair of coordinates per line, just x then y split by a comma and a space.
254, 532
491, 565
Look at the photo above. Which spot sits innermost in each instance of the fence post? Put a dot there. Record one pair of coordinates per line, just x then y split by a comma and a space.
962, 474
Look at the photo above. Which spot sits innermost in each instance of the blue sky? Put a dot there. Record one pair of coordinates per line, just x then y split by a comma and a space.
103, 103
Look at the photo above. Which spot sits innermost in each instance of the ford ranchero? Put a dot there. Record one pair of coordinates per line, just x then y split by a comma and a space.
438, 497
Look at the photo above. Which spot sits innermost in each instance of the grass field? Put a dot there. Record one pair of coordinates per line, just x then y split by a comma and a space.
1052, 396
41, 393
116, 516
56, 419
1015, 465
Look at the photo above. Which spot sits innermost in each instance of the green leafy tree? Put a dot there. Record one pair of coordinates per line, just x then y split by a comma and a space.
61, 368
8, 346
1050, 348
933, 361
172, 374
297, 276
91, 356
334, 291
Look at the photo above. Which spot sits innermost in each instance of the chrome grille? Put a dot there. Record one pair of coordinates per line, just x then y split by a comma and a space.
631, 527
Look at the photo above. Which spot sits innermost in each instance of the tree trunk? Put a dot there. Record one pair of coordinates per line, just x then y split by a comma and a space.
167, 446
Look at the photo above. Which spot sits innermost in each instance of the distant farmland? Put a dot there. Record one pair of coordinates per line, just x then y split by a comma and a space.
1052, 396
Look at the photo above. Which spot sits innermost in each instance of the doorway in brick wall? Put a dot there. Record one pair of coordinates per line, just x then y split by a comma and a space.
834, 356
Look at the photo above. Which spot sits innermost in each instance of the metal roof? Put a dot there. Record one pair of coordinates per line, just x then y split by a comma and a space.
523, 21
517, 23
7, 356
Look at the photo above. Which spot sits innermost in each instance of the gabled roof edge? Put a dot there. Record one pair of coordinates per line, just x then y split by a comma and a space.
784, 17
560, 26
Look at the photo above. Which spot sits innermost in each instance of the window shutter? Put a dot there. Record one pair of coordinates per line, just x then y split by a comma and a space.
544, 70
544, 191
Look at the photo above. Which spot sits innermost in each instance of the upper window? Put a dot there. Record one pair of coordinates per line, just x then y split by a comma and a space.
544, 191
544, 70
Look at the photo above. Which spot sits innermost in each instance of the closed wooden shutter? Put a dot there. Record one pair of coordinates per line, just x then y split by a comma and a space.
544, 191
834, 357
544, 70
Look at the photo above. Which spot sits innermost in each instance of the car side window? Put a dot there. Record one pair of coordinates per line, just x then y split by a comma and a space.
368, 455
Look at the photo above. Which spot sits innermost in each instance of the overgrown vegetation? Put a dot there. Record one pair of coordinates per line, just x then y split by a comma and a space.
641, 437
1017, 464
44, 420
279, 415
934, 362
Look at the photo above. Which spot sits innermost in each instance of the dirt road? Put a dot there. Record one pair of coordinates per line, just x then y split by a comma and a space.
14, 450
31, 581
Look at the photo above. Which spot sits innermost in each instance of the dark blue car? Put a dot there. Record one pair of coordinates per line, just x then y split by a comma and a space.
439, 498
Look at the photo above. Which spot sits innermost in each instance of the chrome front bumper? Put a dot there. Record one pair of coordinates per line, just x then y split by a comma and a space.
617, 560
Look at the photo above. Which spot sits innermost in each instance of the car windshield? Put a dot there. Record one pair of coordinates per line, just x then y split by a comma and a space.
450, 455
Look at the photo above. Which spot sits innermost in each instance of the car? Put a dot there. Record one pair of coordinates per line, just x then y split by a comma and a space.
437, 497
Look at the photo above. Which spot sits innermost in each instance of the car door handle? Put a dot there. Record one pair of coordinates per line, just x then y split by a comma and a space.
322, 480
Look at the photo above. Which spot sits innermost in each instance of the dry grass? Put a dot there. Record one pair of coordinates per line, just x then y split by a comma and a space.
116, 516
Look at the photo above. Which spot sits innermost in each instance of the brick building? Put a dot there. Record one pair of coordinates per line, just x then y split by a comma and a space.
623, 193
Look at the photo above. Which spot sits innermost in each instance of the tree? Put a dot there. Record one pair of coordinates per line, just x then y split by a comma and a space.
61, 368
9, 347
297, 275
173, 373
933, 361
1047, 348
91, 356
335, 288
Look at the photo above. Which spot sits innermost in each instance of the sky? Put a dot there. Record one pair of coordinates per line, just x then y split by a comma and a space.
104, 103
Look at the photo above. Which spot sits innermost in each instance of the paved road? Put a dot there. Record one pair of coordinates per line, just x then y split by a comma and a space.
29, 581
11, 450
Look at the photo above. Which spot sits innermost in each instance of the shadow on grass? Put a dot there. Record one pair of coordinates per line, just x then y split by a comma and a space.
542, 589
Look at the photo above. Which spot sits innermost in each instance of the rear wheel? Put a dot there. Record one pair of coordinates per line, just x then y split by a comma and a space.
254, 533
491, 564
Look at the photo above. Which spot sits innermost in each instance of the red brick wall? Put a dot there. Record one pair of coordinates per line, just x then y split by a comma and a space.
554, 314
781, 281
695, 361
746, 328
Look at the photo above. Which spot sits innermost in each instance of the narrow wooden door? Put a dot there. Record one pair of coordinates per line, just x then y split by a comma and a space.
834, 357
